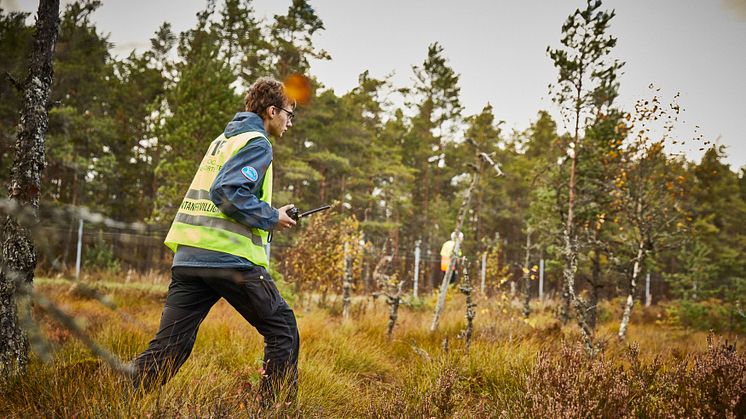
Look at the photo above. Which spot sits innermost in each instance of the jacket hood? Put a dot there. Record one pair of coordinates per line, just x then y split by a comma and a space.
244, 122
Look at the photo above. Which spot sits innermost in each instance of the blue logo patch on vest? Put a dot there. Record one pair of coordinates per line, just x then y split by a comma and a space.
250, 173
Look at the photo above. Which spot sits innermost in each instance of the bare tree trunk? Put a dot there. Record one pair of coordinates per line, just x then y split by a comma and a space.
595, 289
636, 268
347, 284
393, 299
580, 311
571, 245
466, 289
454, 255
571, 253
565, 306
389, 287
571, 250
18, 253
481, 159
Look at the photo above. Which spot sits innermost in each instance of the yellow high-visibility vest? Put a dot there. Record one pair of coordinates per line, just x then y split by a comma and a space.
445, 254
199, 223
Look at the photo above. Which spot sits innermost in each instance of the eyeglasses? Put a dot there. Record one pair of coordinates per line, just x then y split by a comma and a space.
291, 114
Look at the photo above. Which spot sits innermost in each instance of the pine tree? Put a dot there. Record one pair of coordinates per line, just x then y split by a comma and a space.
718, 210
243, 41
291, 43
485, 132
197, 106
586, 83
436, 93
596, 175
81, 124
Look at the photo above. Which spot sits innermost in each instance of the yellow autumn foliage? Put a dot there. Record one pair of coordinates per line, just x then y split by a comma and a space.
318, 259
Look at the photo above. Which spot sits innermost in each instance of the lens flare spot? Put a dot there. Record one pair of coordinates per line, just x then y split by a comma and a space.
298, 88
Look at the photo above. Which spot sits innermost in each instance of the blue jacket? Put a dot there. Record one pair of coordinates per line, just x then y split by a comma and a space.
237, 196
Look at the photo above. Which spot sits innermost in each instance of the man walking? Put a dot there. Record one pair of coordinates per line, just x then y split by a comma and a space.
219, 236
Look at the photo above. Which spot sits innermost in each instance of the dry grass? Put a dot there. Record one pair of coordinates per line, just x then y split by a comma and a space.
349, 369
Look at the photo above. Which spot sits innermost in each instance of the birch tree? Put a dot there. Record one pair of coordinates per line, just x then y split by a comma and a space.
347, 283
18, 251
649, 192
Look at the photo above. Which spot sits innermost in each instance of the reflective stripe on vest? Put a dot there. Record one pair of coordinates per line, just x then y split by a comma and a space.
199, 223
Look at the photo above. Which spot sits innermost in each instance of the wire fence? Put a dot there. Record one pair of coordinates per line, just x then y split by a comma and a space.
97, 243
73, 241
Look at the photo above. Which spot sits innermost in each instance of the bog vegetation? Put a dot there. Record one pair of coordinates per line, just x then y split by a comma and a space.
514, 367
582, 225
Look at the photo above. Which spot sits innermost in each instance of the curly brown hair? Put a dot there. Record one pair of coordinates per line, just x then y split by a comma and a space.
265, 92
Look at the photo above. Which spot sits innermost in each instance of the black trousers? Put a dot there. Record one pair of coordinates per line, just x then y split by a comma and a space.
191, 294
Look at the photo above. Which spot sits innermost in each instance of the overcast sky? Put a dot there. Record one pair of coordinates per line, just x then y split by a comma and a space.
696, 47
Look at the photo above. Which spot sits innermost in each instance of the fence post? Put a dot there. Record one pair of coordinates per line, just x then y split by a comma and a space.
541, 279
80, 249
416, 268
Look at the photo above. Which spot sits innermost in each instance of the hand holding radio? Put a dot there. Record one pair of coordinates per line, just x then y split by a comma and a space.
296, 215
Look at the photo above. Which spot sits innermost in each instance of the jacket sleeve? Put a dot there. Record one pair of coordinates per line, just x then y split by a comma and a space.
235, 190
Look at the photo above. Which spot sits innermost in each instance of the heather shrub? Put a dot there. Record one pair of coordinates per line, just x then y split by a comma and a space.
568, 383
710, 384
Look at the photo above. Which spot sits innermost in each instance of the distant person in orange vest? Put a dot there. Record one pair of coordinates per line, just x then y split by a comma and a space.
446, 252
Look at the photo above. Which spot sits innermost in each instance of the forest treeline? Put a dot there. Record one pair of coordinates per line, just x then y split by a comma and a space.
126, 134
